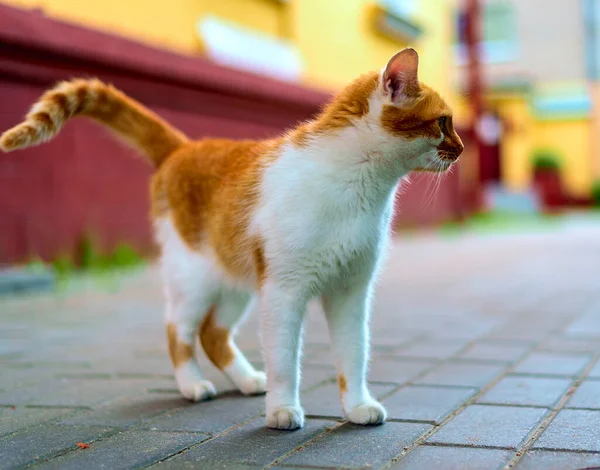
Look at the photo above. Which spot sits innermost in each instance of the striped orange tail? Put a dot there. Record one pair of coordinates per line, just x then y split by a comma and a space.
133, 123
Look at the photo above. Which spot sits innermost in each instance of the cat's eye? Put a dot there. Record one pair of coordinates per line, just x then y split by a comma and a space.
442, 122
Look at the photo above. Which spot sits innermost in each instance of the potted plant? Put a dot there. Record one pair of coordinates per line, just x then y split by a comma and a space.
596, 194
546, 177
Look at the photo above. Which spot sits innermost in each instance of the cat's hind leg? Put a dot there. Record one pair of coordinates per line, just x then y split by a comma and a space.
184, 311
216, 336
192, 286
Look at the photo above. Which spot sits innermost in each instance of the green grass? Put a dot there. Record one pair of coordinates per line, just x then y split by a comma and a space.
103, 269
498, 222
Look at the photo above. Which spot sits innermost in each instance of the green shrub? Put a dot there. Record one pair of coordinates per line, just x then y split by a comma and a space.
546, 160
125, 256
596, 193
89, 258
63, 266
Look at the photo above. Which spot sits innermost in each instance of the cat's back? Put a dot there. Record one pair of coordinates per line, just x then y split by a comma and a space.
208, 189
202, 171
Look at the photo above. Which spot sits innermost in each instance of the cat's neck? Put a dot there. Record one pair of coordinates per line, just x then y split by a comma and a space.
354, 165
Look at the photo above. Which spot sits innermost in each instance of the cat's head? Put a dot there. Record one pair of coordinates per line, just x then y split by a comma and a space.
413, 117
398, 119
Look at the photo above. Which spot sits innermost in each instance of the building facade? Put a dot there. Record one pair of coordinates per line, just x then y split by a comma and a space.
316, 42
540, 67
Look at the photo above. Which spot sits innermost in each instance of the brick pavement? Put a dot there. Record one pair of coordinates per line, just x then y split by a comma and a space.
485, 354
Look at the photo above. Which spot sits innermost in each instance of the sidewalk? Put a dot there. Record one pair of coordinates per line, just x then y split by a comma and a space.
485, 353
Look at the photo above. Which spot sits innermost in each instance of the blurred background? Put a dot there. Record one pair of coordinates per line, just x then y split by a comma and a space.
522, 75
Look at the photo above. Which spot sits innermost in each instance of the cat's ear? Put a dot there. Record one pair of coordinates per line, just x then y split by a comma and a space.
400, 78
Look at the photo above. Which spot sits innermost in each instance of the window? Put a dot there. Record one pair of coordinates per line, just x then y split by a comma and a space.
591, 15
236, 46
500, 42
394, 19
403, 8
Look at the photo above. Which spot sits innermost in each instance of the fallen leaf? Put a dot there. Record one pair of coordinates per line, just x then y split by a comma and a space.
83, 445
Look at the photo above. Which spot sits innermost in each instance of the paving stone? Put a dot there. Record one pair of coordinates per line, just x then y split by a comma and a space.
496, 352
547, 460
493, 426
125, 450
78, 392
396, 370
532, 391
15, 378
320, 355
566, 344
210, 416
587, 395
572, 430
253, 444
430, 404
129, 364
453, 458
313, 376
515, 332
468, 330
208, 465
14, 419
44, 442
432, 348
554, 364
324, 401
129, 383
585, 326
354, 446
595, 372
128, 411
467, 374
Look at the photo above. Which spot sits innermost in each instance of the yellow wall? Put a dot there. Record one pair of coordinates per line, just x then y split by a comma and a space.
334, 37
595, 130
517, 143
167, 24
338, 42
571, 139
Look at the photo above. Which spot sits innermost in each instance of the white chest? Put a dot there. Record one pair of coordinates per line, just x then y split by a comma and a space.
318, 227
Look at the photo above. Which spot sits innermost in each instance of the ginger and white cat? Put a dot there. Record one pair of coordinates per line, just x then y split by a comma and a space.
277, 222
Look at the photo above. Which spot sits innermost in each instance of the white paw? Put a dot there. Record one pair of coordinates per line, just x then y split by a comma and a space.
371, 412
286, 417
254, 384
198, 391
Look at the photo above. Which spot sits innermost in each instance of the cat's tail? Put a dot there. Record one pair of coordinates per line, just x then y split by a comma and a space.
132, 122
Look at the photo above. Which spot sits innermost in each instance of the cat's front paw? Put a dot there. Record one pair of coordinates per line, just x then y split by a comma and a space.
286, 417
371, 412
254, 384
197, 390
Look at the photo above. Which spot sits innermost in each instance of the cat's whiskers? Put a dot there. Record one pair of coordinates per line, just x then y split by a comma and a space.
437, 181
430, 180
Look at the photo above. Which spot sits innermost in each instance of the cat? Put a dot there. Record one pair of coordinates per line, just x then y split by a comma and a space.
275, 222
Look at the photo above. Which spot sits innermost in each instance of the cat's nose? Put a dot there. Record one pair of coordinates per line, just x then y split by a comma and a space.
459, 147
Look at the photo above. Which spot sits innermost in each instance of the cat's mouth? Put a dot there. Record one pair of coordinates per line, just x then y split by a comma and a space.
442, 162
449, 157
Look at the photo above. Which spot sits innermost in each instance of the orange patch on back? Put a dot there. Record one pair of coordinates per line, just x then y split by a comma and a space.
210, 189
215, 341
180, 352
348, 105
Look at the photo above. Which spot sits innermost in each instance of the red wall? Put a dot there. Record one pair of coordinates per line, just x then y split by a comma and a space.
85, 182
